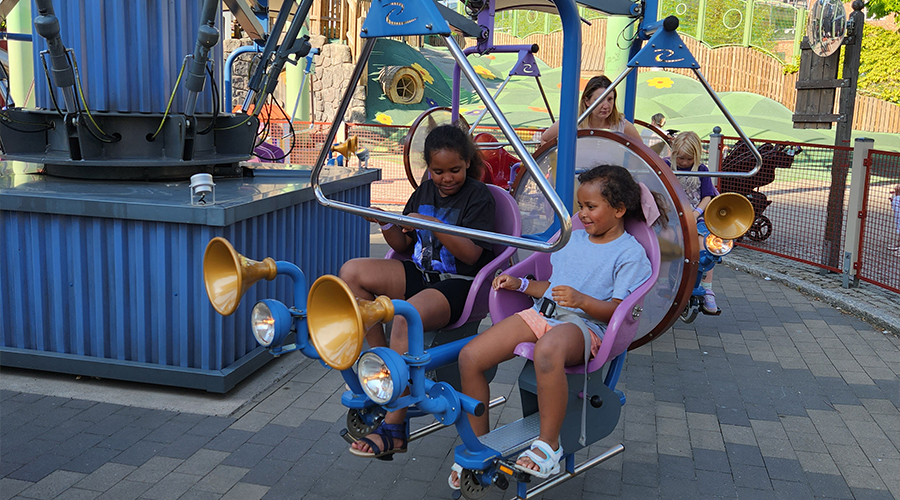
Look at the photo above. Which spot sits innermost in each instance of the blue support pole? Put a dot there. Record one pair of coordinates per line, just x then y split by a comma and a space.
568, 98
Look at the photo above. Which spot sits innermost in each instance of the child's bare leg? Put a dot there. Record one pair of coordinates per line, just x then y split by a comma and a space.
488, 349
485, 351
434, 310
368, 278
560, 347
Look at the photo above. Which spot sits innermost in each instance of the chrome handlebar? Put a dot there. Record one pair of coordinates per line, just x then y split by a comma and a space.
527, 160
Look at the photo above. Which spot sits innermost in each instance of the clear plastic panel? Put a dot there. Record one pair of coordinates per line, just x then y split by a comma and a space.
414, 149
537, 216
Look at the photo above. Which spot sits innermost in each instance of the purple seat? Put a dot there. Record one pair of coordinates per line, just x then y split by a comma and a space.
623, 324
507, 220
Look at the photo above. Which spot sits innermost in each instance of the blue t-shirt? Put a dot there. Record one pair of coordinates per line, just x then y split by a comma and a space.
604, 271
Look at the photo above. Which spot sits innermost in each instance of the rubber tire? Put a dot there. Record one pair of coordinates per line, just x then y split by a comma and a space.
761, 229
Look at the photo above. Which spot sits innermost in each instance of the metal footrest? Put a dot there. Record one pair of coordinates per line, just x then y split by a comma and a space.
514, 436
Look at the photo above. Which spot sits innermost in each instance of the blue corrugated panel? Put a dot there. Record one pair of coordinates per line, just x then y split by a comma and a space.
129, 53
133, 290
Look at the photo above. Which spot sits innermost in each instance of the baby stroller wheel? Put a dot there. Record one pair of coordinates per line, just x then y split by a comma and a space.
761, 229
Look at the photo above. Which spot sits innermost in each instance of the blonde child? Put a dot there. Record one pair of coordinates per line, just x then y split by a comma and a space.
592, 274
686, 151
453, 195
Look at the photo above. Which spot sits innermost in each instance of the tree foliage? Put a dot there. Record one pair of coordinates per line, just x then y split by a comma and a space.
882, 8
878, 75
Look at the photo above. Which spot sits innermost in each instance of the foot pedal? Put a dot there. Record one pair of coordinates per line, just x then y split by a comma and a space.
347, 437
704, 311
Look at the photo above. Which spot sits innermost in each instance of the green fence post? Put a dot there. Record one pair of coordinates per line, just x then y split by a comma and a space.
748, 23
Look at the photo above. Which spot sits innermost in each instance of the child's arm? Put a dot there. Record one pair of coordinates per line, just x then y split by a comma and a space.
398, 238
462, 248
551, 133
533, 288
601, 310
701, 207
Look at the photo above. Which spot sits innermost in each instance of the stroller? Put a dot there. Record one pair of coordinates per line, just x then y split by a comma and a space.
740, 159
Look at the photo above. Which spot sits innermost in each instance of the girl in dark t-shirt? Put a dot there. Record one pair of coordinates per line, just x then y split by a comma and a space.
433, 281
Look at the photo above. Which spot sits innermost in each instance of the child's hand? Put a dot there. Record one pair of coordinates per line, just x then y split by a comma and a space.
567, 296
506, 282
369, 219
410, 229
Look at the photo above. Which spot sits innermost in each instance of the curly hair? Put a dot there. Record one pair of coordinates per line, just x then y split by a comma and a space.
453, 138
618, 187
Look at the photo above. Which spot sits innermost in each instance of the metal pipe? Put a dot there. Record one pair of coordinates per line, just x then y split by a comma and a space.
47, 26
605, 93
556, 481
207, 38
558, 207
485, 110
229, 69
740, 131
18, 37
436, 426
382, 216
271, 42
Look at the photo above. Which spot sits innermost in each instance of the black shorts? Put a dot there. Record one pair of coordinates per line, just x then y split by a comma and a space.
455, 290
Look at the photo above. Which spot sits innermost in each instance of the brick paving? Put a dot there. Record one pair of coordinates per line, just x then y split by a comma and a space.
782, 396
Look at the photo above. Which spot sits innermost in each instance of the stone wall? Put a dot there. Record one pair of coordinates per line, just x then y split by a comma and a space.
331, 75
334, 67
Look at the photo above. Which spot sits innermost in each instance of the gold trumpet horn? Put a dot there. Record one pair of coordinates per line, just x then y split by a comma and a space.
338, 321
347, 147
228, 274
729, 215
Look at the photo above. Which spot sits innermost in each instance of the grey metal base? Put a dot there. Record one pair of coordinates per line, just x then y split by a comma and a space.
218, 381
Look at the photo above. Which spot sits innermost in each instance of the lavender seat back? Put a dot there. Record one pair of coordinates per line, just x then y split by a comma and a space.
622, 326
507, 220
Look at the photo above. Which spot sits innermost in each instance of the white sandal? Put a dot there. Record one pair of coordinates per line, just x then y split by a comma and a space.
547, 465
458, 469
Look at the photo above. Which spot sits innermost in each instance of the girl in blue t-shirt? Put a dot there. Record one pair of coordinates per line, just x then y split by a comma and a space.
686, 151
599, 267
434, 279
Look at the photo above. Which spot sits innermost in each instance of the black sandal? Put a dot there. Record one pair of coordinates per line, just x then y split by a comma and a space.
388, 433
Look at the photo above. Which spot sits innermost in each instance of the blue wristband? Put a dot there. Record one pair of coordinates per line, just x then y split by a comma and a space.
523, 285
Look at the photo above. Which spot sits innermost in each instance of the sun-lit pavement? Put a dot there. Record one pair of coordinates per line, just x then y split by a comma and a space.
782, 396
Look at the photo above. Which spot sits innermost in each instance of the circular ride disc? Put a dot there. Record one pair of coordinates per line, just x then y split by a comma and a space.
826, 27
414, 147
677, 234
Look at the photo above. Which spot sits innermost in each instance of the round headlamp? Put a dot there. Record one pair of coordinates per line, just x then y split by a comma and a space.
718, 246
270, 322
383, 374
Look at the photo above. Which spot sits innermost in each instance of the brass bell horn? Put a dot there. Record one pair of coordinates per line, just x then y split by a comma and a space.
729, 215
228, 274
338, 321
347, 147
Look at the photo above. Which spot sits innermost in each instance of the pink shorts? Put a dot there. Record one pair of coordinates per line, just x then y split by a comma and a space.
539, 325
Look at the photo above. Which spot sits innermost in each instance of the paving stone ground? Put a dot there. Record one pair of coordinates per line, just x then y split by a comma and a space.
783, 396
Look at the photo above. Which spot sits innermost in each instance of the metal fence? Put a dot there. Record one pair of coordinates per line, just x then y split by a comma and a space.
808, 208
796, 204
880, 224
